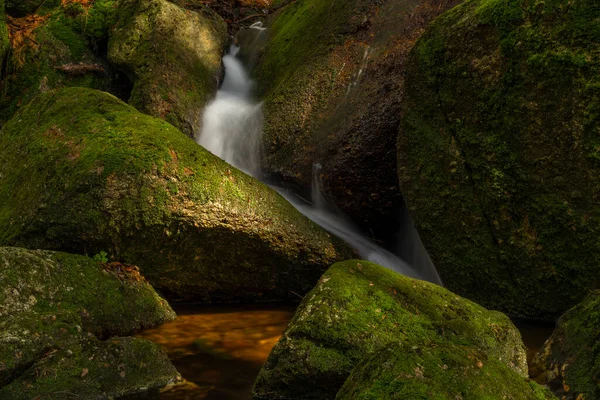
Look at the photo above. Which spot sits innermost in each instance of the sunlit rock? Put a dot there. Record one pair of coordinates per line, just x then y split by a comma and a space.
358, 308
82, 171
173, 57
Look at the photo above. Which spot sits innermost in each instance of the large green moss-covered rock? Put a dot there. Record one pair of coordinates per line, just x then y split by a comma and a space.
358, 308
82, 171
439, 371
63, 45
172, 55
55, 308
331, 75
570, 359
499, 156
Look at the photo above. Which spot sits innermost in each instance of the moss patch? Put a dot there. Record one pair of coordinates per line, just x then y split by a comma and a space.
62, 45
439, 371
498, 151
358, 308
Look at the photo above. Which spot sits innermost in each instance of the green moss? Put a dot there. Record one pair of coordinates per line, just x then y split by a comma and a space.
84, 172
496, 151
358, 308
440, 371
94, 369
51, 319
172, 55
295, 73
570, 359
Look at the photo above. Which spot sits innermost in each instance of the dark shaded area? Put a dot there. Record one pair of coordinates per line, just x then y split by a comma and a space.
118, 83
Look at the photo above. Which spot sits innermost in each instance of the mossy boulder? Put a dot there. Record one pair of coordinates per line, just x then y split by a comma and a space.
440, 371
331, 76
64, 44
83, 172
570, 359
122, 367
498, 152
358, 308
173, 57
55, 308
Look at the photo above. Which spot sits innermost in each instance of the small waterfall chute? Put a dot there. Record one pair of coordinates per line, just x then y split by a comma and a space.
232, 130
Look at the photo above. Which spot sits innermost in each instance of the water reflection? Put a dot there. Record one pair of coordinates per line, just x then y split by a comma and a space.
219, 350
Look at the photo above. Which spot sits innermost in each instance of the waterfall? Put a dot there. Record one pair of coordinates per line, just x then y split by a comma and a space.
232, 130
232, 122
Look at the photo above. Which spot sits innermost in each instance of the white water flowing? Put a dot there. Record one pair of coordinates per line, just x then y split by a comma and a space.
232, 122
232, 129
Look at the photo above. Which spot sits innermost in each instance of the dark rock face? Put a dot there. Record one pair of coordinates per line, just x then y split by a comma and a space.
359, 308
21, 8
332, 78
570, 359
55, 311
498, 152
83, 172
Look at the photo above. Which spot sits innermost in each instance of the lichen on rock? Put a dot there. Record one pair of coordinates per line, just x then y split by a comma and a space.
358, 308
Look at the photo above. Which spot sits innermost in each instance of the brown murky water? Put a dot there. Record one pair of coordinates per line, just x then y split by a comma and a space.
219, 350
534, 335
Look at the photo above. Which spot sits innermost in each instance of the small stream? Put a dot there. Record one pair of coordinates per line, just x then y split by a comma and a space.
232, 130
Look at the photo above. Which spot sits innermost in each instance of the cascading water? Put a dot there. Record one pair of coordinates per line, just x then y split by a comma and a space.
232, 122
232, 129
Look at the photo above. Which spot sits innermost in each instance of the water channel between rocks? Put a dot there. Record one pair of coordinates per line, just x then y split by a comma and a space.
232, 130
